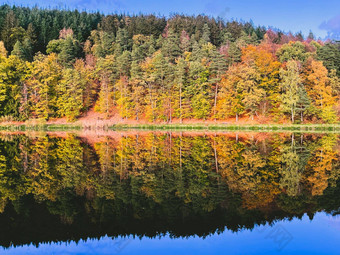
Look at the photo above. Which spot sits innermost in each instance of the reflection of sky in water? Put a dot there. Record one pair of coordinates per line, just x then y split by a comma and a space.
319, 236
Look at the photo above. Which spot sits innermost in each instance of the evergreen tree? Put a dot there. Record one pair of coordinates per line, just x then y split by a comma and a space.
23, 50
303, 102
170, 46
330, 55
70, 50
10, 22
18, 50
206, 34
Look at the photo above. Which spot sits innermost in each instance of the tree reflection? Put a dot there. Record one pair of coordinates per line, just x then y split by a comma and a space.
149, 184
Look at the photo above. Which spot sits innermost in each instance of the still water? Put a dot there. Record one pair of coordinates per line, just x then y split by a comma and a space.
169, 193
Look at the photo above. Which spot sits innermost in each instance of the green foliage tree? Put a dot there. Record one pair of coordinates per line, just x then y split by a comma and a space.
291, 81
70, 92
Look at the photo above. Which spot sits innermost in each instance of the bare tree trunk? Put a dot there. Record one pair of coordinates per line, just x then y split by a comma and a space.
151, 102
215, 152
180, 152
170, 107
215, 101
180, 103
170, 147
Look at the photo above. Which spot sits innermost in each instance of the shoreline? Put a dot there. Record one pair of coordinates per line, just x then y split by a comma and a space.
174, 127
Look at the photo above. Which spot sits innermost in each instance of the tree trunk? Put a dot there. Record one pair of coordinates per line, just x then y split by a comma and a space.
180, 152
215, 101
215, 152
170, 108
180, 103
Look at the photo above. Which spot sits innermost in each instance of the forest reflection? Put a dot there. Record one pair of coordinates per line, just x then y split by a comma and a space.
62, 187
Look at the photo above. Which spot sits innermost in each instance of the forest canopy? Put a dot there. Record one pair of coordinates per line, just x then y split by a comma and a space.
61, 63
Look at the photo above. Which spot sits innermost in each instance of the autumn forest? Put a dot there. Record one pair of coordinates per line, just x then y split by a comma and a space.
63, 64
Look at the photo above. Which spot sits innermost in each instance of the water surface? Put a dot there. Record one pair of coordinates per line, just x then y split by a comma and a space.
180, 192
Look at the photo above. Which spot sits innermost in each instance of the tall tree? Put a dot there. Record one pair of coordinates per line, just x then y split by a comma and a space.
320, 91
291, 81
70, 92
45, 76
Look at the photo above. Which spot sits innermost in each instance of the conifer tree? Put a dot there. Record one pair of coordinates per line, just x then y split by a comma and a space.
170, 46
10, 22
18, 50
303, 102
206, 34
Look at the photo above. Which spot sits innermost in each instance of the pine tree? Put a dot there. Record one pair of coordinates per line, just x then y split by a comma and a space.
70, 50
170, 46
124, 63
330, 55
206, 35
23, 50
103, 43
18, 50
234, 54
303, 102
122, 41
10, 22
196, 54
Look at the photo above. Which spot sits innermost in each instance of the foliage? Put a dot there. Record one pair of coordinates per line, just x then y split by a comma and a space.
65, 63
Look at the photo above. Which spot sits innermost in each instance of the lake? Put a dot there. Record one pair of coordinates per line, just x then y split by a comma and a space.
135, 192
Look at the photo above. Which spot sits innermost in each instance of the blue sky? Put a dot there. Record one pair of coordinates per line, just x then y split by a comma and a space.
320, 16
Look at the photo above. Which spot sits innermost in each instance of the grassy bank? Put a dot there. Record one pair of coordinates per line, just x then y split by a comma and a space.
220, 127
44, 127
178, 127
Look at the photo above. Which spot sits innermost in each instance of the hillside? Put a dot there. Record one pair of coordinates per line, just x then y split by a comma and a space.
65, 66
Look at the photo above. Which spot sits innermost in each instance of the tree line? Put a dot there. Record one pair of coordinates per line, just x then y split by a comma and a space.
58, 63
